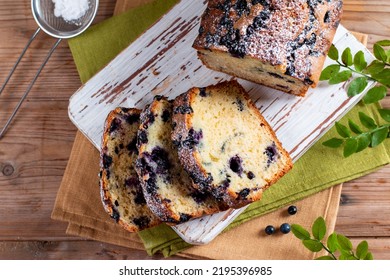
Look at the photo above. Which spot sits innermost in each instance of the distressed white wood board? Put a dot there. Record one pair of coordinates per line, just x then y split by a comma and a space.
162, 61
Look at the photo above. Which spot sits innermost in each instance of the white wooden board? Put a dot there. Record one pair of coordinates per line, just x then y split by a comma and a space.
162, 61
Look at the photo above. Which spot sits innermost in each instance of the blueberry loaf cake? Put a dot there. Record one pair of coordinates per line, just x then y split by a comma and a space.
278, 43
226, 145
121, 192
167, 187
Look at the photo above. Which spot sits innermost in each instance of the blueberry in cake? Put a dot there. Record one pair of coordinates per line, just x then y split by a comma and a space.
278, 43
166, 186
121, 192
225, 144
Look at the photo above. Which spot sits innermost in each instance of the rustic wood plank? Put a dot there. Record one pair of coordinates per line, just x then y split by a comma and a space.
379, 247
32, 162
365, 205
71, 250
35, 150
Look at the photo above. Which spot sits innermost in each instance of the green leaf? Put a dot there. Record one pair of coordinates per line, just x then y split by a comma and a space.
385, 82
325, 258
379, 136
382, 75
385, 114
357, 86
333, 53
329, 71
332, 242
312, 245
351, 257
342, 130
343, 257
374, 67
380, 53
367, 121
369, 256
346, 57
340, 77
375, 94
300, 232
359, 61
344, 243
364, 141
319, 228
347, 256
384, 43
350, 147
362, 250
333, 143
354, 127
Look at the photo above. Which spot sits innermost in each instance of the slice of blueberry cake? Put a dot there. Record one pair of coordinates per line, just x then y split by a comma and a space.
167, 188
121, 192
278, 43
225, 144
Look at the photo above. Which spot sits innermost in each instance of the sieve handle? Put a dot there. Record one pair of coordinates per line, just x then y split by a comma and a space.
32, 82
19, 59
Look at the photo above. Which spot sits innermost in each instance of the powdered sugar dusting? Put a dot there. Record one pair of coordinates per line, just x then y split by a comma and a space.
281, 33
70, 10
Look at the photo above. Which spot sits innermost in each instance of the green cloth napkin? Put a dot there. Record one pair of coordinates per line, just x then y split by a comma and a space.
318, 169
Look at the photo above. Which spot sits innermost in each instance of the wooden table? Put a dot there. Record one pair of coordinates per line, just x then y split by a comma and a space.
35, 150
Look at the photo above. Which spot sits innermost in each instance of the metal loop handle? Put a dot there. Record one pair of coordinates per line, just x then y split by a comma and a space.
32, 82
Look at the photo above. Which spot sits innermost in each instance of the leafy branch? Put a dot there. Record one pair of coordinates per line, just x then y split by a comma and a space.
336, 244
376, 71
355, 139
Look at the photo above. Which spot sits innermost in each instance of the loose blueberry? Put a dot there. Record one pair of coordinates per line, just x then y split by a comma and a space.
292, 210
285, 228
270, 230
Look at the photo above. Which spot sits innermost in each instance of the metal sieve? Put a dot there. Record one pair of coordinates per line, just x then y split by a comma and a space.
43, 12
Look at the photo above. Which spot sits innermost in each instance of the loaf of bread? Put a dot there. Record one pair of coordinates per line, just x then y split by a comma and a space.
278, 43
166, 186
225, 145
121, 192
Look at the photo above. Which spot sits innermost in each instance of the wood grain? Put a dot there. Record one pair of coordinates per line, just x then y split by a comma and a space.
38, 144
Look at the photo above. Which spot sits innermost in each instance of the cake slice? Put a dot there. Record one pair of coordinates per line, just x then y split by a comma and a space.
167, 187
121, 192
225, 144
278, 43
